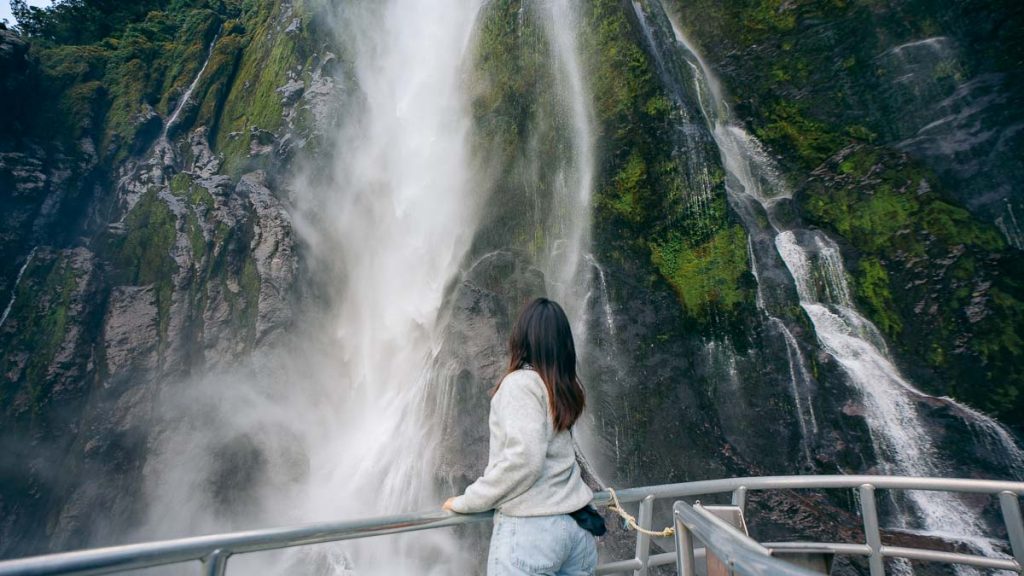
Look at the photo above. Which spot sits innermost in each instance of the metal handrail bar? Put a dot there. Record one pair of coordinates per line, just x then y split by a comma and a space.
949, 558
723, 485
632, 564
151, 554
742, 554
823, 547
1008, 493
214, 550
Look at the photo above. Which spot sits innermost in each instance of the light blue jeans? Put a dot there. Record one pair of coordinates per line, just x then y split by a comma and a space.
540, 546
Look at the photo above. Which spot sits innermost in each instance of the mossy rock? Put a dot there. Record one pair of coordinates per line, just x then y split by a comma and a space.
142, 255
713, 276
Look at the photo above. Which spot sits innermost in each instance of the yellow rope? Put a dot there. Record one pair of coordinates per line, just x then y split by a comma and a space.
631, 520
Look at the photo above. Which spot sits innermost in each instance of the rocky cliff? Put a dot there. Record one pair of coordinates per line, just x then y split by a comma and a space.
149, 179
146, 238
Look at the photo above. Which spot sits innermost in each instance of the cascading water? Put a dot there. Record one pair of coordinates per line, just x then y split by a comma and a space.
566, 267
340, 420
902, 443
749, 167
1010, 228
14, 289
184, 99
388, 234
163, 152
400, 219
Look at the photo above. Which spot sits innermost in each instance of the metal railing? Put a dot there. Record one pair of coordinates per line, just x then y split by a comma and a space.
213, 552
742, 554
1007, 492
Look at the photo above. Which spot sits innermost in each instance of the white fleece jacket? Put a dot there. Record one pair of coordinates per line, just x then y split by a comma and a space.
531, 469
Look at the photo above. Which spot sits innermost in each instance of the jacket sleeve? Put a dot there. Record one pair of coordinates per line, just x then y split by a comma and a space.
523, 412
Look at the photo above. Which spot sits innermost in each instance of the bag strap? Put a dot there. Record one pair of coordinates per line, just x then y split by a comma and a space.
590, 477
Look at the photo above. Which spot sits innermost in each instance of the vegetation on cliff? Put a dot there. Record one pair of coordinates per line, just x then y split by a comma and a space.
646, 205
810, 79
120, 75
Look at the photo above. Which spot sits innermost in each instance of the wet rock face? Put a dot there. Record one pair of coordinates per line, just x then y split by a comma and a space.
130, 334
894, 125
49, 365
931, 78
15, 70
273, 250
143, 259
482, 308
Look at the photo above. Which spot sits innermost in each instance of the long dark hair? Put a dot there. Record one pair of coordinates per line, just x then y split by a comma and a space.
542, 339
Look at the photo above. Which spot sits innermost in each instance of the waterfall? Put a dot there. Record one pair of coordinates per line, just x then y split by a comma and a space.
566, 270
14, 288
188, 92
397, 222
608, 319
750, 169
1011, 229
815, 265
340, 419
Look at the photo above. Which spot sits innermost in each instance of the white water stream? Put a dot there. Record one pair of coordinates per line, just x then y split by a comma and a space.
566, 268
902, 443
342, 420
14, 288
399, 222
751, 171
391, 230
187, 95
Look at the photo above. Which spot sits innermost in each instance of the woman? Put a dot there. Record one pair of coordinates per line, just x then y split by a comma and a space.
532, 477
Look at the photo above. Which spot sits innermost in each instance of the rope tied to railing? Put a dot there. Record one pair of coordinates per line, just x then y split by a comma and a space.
667, 532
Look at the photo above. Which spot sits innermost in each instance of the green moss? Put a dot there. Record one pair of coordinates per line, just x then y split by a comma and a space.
789, 129
658, 107
771, 16
1005, 341
72, 76
186, 54
42, 307
860, 163
219, 75
861, 133
942, 284
508, 73
629, 185
955, 225
106, 86
250, 68
644, 198
624, 81
711, 275
196, 239
180, 184
937, 356
965, 318
873, 289
143, 255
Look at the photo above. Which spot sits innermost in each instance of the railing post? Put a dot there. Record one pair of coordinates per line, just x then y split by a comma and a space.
643, 541
739, 498
1014, 525
874, 539
684, 550
216, 563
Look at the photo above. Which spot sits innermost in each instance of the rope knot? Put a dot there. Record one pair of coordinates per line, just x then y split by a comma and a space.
667, 532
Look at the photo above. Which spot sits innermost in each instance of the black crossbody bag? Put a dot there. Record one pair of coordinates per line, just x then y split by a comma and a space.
587, 517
